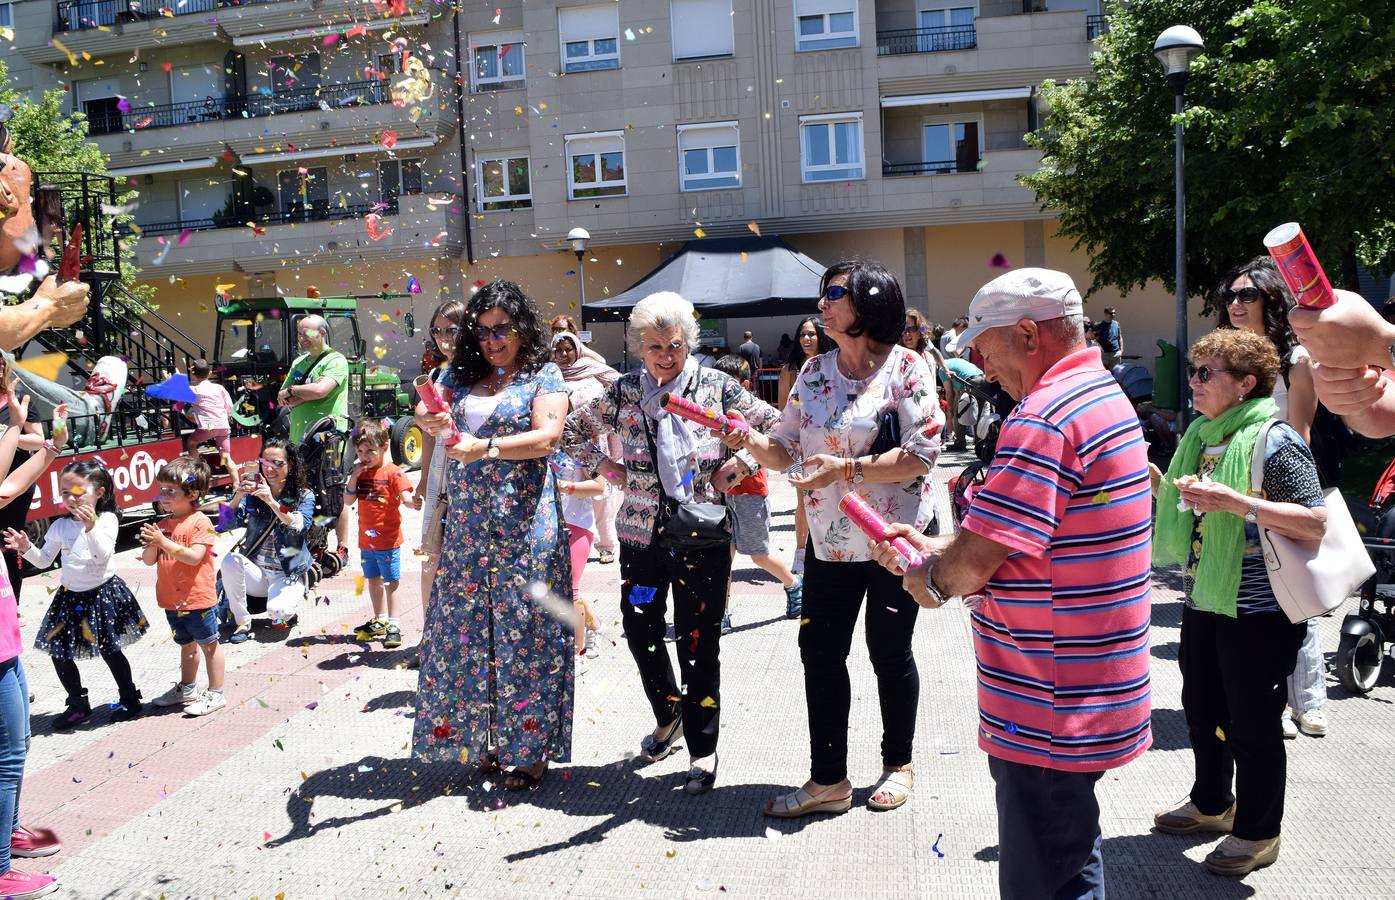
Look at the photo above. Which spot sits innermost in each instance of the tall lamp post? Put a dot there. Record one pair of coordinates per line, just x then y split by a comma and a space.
578, 237
1175, 48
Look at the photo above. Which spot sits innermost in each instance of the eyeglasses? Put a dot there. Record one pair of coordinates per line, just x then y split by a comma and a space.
670, 347
504, 332
1204, 374
911, 329
451, 330
835, 292
274, 463
1244, 295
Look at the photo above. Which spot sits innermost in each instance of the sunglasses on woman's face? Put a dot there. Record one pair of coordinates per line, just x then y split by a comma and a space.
274, 463
1243, 295
451, 330
911, 329
1204, 374
502, 332
835, 292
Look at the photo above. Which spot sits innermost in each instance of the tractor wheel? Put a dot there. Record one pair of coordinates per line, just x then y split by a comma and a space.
407, 443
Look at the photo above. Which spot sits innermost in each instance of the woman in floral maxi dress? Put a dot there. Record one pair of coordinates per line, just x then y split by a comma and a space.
496, 665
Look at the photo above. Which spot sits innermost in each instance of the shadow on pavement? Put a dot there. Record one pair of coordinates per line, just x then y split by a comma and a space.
620, 792
1167, 650
1170, 729
360, 653
1167, 615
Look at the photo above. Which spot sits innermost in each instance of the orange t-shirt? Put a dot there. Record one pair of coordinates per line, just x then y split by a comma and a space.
181, 586
379, 496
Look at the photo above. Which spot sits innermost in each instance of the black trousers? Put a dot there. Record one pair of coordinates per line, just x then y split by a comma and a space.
1048, 833
833, 593
120, 672
1234, 678
698, 580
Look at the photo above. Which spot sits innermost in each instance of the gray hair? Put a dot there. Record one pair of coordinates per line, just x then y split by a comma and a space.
1068, 331
660, 312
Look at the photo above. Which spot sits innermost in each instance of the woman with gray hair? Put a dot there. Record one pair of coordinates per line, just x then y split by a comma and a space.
672, 467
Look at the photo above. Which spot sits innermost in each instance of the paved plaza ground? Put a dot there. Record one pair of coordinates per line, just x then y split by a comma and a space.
303, 788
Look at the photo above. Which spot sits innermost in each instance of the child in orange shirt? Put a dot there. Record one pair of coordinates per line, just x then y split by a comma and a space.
382, 488
181, 549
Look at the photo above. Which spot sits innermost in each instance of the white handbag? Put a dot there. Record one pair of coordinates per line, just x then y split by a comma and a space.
1311, 578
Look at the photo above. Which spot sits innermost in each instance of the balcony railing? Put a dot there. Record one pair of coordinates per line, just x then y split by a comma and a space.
926, 40
1095, 26
78, 15
929, 167
313, 213
213, 109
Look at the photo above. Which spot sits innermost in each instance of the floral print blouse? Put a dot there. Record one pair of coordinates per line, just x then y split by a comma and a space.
617, 411
830, 413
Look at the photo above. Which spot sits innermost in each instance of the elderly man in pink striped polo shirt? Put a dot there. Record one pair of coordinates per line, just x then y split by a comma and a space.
1058, 538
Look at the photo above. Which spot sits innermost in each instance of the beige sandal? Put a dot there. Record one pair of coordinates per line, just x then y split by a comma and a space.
895, 782
800, 802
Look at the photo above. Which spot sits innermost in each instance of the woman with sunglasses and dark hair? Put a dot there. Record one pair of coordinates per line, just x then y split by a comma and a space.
1254, 298
272, 564
496, 663
810, 341
863, 418
1237, 646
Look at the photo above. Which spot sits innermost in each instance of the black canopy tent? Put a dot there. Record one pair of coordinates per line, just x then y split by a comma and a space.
727, 278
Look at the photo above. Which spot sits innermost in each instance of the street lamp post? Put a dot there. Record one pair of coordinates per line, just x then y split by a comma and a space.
1175, 48
578, 237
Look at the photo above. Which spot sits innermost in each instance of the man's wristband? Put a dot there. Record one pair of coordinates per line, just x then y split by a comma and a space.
51, 447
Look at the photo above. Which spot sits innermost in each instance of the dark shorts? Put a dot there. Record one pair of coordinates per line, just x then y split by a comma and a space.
194, 626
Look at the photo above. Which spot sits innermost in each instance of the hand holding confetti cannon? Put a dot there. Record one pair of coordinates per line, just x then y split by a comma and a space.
694, 412
870, 523
1299, 266
431, 397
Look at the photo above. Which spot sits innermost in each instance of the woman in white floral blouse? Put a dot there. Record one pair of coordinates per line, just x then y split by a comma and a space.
840, 403
663, 331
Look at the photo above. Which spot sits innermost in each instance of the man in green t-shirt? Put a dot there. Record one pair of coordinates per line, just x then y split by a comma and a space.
318, 386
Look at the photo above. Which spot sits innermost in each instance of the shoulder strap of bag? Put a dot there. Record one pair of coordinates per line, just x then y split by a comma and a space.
1257, 459
299, 377
251, 552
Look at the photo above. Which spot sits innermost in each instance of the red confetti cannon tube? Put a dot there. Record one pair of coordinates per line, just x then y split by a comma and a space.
431, 397
693, 412
870, 523
1299, 266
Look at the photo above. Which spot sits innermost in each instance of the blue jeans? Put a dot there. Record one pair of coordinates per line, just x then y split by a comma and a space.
14, 745
1048, 833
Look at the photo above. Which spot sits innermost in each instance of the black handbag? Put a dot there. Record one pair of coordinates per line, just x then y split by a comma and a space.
888, 433
686, 526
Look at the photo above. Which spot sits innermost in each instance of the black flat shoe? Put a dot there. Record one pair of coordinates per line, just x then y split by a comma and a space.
700, 781
655, 749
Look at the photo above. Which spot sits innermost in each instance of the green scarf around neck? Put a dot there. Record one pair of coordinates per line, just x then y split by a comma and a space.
1218, 568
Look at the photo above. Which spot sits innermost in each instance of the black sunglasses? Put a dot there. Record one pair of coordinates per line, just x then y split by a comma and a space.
835, 292
1204, 374
498, 332
451, 330
1244, 295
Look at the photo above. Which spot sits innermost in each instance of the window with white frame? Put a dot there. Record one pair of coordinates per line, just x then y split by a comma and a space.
831, 147
702, 28
590, 37
709, 156
499, 62
825, 24
504, 183
596, 165
951, 144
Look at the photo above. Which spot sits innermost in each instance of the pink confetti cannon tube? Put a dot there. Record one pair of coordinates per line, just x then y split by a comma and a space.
870, 522
1299, 266
426, 390
693, 412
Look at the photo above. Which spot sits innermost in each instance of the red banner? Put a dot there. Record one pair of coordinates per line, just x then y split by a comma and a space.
133, 470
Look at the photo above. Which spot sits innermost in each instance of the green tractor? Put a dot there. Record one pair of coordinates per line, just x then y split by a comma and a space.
256, 344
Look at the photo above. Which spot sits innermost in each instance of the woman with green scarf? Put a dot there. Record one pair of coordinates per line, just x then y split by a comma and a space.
1237, 647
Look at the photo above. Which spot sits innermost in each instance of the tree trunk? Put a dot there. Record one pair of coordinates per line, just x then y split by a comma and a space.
1350, 280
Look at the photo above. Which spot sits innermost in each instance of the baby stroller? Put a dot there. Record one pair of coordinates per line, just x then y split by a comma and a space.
1367, 632
322, 456
982, 406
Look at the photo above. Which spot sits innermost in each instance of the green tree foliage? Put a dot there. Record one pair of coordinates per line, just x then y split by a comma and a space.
1290, 116
51, 139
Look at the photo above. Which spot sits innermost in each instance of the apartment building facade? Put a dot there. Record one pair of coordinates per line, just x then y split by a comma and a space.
279, 144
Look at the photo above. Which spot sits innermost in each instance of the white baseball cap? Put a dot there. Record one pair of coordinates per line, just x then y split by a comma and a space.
1036, 294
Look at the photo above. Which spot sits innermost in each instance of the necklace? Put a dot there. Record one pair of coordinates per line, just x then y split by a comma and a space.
498, 380
859, 381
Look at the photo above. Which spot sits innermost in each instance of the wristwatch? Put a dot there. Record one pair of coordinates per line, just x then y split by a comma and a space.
492, 451
1252, 514
936, 594
858, 477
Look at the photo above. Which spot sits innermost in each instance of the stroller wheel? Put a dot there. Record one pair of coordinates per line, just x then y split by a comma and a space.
330, 565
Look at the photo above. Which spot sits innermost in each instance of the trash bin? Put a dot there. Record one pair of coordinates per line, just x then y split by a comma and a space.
1165, 369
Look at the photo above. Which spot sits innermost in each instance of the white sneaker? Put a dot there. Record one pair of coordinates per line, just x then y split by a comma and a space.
178, 695
1313, 723
1290, 726
211, 701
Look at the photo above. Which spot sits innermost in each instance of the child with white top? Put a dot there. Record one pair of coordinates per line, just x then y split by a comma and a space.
578, 489
93, 612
